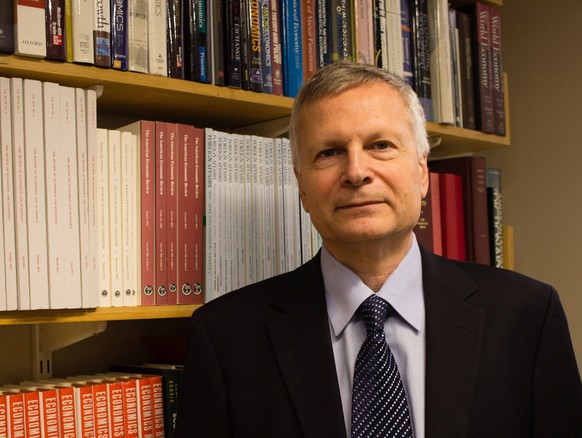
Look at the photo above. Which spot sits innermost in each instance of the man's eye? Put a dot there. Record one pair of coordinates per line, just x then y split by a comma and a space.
383, 145
327, 153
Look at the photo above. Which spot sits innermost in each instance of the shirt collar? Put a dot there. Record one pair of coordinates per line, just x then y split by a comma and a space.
345, 291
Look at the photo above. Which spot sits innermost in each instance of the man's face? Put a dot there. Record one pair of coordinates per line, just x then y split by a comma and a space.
359, 174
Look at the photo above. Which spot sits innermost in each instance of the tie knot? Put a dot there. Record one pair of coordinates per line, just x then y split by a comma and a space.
374, 310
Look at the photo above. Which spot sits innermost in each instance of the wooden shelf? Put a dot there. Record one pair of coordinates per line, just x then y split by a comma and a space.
455, 141
155, 97
92, 315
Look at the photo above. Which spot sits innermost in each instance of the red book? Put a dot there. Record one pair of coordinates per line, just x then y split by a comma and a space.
66, 409
473, 173
32, 413
49, 405
161, 289
435, 205
453, 228
144, 402
101, 409
3, 415
130, 405
16, 414
308, 38
190, 212
171, 212
157, 405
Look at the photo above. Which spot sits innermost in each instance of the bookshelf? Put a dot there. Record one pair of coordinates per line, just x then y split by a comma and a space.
132, 96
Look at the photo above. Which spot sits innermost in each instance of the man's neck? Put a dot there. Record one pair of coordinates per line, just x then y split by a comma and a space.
373, 262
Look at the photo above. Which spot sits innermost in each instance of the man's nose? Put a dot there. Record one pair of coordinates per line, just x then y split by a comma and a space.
357, 168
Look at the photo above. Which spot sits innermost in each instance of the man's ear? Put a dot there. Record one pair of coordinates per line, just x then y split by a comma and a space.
424, 175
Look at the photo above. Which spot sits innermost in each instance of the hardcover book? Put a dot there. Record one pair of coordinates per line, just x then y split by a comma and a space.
308, 38
421, 53
102, 33
196, 41
161, 251
119, 35
137, 36
497, 71
472, 170
233, 42
157, 37
55, 30
407, 68
467, 68
276, 50
266, 45
82, 21
175, 38
29, 28
292, 48
216, 19
171, 182
453, 220
364, 32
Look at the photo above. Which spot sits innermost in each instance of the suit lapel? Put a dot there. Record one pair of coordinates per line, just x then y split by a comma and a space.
454, 331
301, 341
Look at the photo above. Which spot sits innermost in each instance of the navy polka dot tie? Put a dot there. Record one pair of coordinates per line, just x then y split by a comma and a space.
379, 407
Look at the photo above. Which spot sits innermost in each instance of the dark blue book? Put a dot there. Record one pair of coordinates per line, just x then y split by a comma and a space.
266, 46
195, 41
7, 27
233, 41
323, 27
406, 42
421, 55
119, 34
292, 49
175, 30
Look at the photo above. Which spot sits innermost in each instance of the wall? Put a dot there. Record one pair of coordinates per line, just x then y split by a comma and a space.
542, 174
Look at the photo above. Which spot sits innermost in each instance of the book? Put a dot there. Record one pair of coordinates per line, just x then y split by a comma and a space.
292, 48
137, 36
266, 45
508, 247
145, 132
175, 39
190, 190
308, 38
161, 252
29, 28
441, 71
210, 207
36, 196
276, 49
15, 410
234, 73
119, 35
394, 37
253, 35
436, 214
497, 72
82, 22
172, 215
407, 68
380, 38
103, 228
364, 31
20, 199
472, 170
9, 222
7, 27
495, 215
102, 33
195, 41
467, 70
55, 30
157, 37
452, 215
341, 30
323, 28
483, 65
115, 217
216, 20
421, 55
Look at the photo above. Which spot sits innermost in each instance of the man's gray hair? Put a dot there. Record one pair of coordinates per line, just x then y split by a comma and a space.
341, 76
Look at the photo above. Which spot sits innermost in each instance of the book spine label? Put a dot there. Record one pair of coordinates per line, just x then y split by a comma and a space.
102, 33
55, 30
30, 28
497, 72
119, 46
148, 213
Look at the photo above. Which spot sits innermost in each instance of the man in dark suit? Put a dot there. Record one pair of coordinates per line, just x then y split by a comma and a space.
480, 351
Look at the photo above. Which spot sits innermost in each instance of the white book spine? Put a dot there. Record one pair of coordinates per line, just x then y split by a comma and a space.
129, 217
36, 195
83, 197
137, 35
229, 216
221, 208
55, 235
240, 209
210, 239
8, 234
269, 208
248, 210
103, 238
394, 37
82, 20
91, 298
297, 207
29, 29
68, 176
20, 207
157, 38
280, 217
115, 218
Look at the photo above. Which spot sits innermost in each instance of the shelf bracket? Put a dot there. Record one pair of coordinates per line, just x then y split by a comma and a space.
48, 338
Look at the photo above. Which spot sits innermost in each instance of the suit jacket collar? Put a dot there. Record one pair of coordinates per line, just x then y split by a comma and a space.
454, 331
302, 344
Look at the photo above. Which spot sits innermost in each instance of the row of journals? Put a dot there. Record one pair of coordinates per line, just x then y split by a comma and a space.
127, 401
95, 218
452, 57
461, 216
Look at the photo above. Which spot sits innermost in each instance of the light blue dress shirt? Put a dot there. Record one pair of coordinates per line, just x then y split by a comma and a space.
405, 332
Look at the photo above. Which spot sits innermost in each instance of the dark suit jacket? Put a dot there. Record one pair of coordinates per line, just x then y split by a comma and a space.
499, 360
